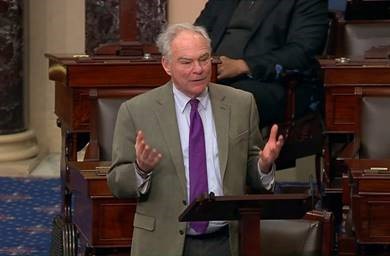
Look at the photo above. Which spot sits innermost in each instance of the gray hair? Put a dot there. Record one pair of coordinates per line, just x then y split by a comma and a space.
166, 37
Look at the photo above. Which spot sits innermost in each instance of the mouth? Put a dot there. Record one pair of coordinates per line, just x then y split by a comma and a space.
198, 80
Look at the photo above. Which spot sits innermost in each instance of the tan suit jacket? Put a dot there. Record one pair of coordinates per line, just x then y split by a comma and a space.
157, 230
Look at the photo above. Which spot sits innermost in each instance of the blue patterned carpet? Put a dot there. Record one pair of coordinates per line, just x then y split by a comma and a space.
27, 207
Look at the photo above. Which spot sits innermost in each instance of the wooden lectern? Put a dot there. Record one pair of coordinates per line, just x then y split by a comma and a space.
248, 209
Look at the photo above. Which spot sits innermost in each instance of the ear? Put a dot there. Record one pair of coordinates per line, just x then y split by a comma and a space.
166, 65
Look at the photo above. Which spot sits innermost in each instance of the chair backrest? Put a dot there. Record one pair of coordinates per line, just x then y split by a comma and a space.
374, 125
360, 37
308, 236
293, 237
107, 110
103, 113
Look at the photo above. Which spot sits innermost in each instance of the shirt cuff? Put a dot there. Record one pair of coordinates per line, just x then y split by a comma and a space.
267, 179
143, 179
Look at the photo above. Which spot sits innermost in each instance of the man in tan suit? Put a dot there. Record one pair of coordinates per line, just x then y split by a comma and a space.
152, 145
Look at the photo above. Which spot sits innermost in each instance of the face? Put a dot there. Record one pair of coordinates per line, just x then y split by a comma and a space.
189, 64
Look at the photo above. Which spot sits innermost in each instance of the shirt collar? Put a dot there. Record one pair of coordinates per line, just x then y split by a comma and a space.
182, 100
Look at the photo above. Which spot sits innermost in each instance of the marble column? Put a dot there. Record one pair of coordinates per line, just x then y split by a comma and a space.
17, 143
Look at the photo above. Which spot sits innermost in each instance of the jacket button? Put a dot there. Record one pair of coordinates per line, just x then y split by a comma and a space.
184, 202
181, 232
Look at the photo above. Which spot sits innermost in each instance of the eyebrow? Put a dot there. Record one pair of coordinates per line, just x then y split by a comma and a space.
204, 55
185, 58
200, 57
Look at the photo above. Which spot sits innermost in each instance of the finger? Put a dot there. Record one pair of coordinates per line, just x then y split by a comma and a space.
221, 75
142, 157
280, 140
146, 152
274, 132
139, 148
152, 159
149, 157
139, 139
156, 158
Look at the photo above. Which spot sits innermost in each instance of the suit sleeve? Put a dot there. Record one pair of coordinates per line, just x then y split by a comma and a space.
122, 176
254, 179
307, 31
207, 17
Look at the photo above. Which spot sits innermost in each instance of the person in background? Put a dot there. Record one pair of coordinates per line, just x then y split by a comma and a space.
182, 140
259, 40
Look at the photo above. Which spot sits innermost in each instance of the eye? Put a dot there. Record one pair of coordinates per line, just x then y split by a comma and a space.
185, 61
204, 59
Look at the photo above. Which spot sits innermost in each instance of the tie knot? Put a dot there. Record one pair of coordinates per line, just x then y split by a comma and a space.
194, 104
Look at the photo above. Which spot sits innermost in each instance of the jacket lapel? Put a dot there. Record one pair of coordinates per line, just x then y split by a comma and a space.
265, 9
221, 113
165, 113
222, 22
225, 16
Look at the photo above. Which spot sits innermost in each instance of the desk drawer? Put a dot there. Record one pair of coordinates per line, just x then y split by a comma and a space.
373, 186
370, 216
341, 104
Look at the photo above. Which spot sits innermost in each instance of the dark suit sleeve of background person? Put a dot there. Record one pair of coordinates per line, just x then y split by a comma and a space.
289, 33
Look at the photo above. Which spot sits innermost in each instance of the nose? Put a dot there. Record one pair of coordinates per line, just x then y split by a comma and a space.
198, 67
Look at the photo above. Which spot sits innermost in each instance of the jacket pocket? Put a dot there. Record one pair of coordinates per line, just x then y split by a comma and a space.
144, 222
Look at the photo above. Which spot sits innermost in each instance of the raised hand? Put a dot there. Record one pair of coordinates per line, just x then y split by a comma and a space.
147, 158
271, 150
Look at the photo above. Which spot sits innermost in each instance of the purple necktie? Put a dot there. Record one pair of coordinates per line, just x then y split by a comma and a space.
197, 162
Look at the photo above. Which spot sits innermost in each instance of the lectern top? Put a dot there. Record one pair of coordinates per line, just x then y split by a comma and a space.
270, 206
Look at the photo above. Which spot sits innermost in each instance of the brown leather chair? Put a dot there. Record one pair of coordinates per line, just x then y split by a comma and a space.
374, 130
360, 37
310, 236
104, 111
354, 38
371, 138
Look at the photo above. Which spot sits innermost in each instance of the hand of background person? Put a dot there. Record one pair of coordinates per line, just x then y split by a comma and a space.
229, 68
147, 158
271, 150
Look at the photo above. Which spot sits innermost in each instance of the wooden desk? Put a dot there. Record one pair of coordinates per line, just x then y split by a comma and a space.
368, 202
103, 221
345, 85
